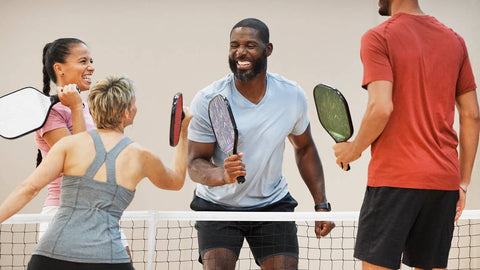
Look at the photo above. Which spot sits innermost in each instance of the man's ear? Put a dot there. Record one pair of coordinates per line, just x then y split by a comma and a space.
269, 49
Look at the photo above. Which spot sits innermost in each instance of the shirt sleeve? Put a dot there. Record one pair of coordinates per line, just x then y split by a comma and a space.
375, 59
200, 129
54, 121
302, 110
466, 79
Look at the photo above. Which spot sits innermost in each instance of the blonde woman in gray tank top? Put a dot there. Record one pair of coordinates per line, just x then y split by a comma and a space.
99, 183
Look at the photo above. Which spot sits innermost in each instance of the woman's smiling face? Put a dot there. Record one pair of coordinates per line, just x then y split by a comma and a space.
78, 67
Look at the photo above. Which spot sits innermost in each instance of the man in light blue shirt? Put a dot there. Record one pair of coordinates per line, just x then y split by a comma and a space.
267, 109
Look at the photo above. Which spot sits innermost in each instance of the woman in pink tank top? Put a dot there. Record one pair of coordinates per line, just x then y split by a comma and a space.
68, 63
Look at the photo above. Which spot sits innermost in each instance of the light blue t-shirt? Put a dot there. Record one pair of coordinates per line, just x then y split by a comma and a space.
262, 130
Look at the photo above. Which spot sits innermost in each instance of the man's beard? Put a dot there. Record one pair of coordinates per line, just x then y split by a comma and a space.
384, 8
246, 75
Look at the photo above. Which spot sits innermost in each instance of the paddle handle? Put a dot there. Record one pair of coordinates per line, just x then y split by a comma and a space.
54, 99
348, 166
241, 179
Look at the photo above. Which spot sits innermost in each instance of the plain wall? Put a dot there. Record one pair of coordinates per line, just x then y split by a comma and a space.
171, 46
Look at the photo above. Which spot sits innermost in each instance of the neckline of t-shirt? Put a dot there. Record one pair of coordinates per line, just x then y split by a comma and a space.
412, 15
244, 99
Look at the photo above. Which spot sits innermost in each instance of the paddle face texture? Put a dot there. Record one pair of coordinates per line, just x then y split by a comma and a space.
222, 124
224, 127
333, 112
24, 111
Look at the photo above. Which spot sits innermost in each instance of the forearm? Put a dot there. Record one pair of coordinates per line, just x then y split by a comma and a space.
179, 165
48, 170
467, 106
19, 197
206, 173
311, 171
373, 124
377, 114
78, 121
469, 137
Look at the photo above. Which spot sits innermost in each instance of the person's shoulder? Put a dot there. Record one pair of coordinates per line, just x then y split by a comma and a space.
60, 111
447, 29
138, 149
84, 135
217, 86
135, 146
214, 89
383, 27
59, 107
378, 30
74, 141
138, 153
279, 79
376, 34
288, 89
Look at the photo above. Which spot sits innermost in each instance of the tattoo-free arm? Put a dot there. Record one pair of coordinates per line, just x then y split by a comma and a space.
69, 97
379, 109
309, 164
311, 170
467, 106
203, 171
46, 172
166, 178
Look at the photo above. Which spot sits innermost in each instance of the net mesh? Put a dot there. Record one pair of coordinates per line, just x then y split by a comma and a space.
167, 240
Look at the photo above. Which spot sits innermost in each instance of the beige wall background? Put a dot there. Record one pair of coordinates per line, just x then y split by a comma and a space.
170, 46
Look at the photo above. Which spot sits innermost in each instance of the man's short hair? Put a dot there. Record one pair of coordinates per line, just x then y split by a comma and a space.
256, 24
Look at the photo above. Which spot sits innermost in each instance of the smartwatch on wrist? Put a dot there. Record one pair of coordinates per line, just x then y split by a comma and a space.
323, 206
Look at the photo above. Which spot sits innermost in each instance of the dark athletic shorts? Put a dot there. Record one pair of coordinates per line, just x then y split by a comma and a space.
266, 239
38, 262
418, 223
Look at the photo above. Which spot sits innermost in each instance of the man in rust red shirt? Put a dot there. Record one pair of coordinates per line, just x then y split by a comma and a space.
415, 70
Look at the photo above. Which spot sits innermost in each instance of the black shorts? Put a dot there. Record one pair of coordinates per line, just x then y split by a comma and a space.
266, 239
414, 222
46, 263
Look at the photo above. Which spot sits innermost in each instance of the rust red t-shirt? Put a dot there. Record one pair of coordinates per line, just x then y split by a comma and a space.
428, 65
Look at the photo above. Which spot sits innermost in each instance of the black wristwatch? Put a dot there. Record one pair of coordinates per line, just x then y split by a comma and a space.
324, 206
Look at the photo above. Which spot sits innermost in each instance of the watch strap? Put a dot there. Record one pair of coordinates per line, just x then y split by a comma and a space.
324, 206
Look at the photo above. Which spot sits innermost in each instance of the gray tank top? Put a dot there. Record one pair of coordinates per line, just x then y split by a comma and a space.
86, 227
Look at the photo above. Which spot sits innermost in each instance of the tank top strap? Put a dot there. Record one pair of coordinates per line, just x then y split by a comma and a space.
112, 156
100, 156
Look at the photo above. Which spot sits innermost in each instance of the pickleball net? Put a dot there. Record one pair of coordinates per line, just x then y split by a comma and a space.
168, 240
